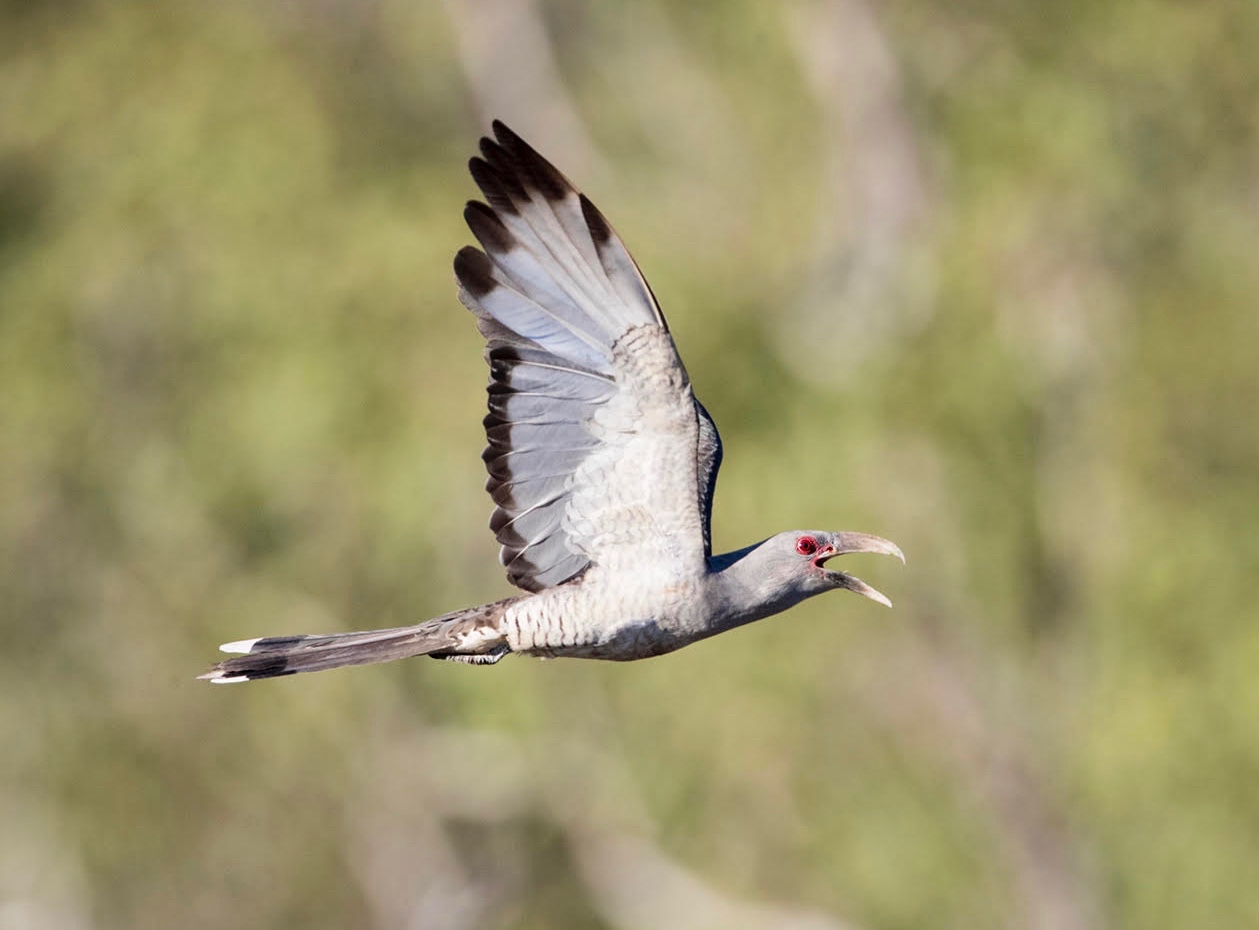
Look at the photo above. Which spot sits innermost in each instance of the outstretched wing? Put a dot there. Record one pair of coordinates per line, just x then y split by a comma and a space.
598, 452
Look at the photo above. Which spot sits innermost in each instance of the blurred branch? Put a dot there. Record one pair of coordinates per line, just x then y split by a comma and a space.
509, 63
935, 706
636, 885
414, 874
874, 183
42, 880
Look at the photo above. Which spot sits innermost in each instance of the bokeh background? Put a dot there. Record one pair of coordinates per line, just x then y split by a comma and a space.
979, 277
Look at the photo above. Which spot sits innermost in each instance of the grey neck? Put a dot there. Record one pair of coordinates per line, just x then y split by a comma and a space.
740, 590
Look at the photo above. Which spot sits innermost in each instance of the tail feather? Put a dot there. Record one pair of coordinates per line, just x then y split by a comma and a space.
470, 635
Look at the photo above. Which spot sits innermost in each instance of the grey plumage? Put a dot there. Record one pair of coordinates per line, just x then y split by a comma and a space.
602, 464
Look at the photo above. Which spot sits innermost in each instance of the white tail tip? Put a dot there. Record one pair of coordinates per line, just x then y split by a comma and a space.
228, 679
243, 646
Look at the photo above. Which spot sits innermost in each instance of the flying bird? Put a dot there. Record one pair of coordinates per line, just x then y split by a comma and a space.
601, 461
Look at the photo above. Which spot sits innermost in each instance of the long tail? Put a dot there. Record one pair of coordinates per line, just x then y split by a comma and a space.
469, 635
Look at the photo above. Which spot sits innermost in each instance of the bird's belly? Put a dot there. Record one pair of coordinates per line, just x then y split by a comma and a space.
639, 639
601, 625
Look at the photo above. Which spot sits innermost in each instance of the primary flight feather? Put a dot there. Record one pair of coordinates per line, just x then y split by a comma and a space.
601, 461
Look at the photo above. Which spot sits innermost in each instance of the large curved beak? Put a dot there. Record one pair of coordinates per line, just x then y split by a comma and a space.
845, 543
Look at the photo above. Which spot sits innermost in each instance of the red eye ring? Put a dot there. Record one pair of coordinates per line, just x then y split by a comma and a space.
806, 545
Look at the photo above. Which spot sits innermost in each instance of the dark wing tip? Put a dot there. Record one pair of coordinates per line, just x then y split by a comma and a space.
514, 156
493, 154
503, 132
488, 228
474, 270
600, 229
501, 189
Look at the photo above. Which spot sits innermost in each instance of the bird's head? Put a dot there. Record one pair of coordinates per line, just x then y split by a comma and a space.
790, 567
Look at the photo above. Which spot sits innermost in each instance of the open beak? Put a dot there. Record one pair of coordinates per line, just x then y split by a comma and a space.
843, 544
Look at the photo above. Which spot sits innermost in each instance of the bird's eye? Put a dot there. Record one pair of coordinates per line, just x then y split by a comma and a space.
806, 545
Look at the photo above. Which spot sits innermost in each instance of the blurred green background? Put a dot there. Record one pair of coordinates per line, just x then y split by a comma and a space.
979, 277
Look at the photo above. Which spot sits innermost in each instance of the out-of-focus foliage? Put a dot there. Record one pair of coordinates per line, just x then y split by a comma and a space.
977, 277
